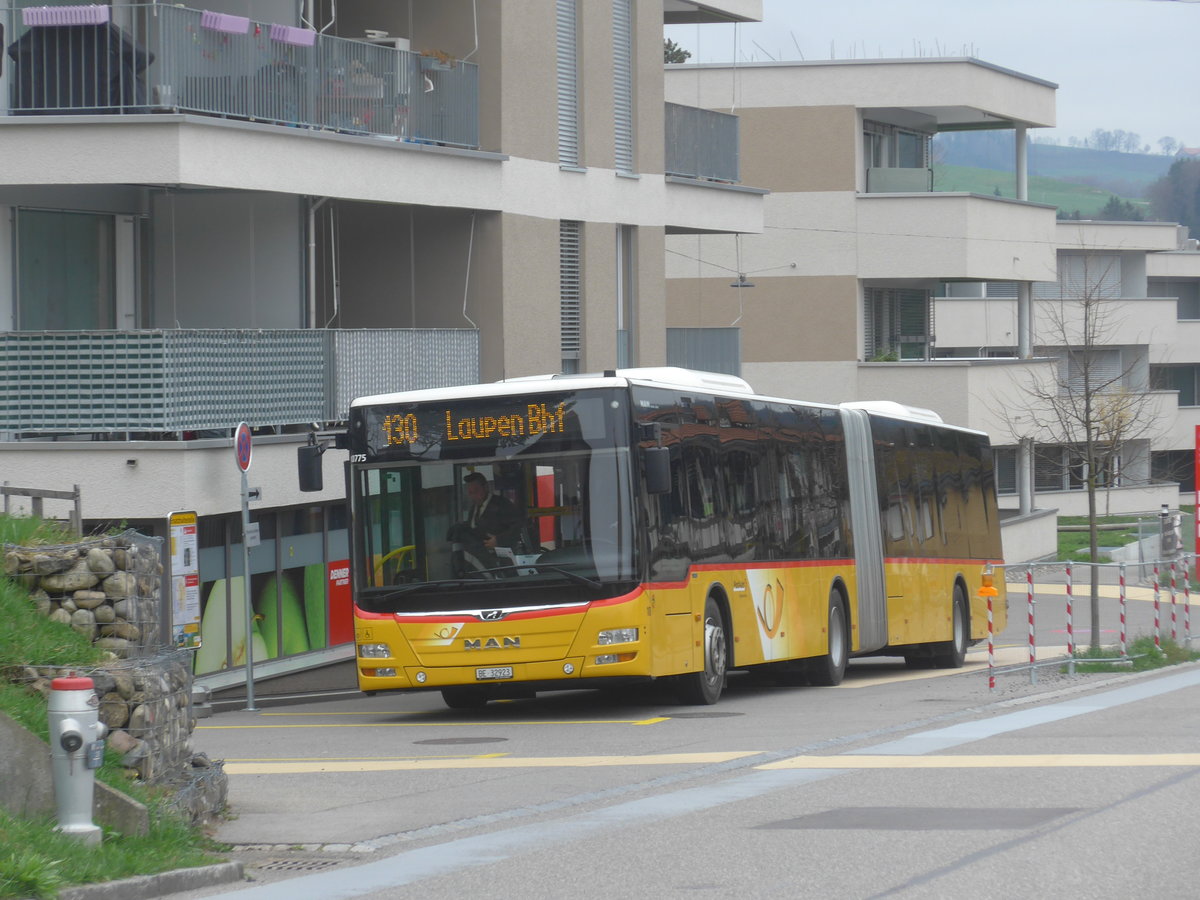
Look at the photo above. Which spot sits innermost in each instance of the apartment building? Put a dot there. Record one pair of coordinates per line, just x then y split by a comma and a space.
256, 211
871, 281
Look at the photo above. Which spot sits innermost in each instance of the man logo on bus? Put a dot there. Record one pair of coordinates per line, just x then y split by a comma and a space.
770, 613
492, 615
491, 643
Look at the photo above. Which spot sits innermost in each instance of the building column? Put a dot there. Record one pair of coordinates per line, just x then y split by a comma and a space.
1025, 476
1022, 148
1025, 319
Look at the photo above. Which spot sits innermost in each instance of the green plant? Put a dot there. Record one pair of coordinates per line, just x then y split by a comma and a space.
886, 356
27, 531
29, 873
1142, 655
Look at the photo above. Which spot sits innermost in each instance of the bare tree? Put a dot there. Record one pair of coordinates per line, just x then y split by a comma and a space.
1097, 404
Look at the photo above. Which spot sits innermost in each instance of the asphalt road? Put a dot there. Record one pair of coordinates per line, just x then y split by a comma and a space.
898, 783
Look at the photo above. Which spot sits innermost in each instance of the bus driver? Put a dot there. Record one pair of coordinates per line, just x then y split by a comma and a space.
492, 521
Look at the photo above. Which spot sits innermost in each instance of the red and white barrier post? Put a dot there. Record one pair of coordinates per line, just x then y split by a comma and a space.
1032, 638
1157, 609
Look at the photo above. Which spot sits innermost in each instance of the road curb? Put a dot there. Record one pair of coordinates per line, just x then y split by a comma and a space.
148, 887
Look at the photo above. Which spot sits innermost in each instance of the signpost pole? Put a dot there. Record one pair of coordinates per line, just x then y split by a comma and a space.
242, 452
246, 588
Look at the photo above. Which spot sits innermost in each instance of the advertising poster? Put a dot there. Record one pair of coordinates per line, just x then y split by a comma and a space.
185, 581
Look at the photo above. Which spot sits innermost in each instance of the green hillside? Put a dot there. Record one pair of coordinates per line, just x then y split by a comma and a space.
1067, 196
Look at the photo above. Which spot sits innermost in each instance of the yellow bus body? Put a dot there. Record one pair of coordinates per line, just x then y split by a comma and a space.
774, 612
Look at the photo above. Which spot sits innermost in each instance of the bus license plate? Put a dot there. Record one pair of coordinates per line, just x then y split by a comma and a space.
493, 673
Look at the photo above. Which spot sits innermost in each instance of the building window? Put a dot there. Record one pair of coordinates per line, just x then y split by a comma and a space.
1065, 468
570, 281
1006, 469
1083, 276
1186, 294
626, 296
1177, 378
896, 159
1094, 371
1174, 465
66, 271
899, 324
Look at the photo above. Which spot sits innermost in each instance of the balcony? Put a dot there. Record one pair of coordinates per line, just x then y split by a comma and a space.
953, 235
150, 58
163, 381
701, 144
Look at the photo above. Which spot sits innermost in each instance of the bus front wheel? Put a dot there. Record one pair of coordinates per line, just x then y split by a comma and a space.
829, 669
951, 654
704, 688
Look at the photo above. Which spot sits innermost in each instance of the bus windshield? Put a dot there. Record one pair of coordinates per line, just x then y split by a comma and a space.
432, 531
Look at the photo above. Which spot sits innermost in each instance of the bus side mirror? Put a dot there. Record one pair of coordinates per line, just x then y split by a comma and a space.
657, 461
308, 465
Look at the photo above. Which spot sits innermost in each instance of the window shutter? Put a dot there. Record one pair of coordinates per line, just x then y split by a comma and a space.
623, 84
570, 279
1103, 369
568, 83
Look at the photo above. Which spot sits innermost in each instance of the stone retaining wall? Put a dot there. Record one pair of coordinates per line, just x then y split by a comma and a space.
108, 589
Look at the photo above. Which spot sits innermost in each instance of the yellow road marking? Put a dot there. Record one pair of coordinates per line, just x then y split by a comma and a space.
1049, 760
283, 767
438, 724
323, 759
390, 712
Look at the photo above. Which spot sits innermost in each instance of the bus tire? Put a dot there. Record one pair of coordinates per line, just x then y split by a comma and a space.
952, 653
704, 688
829, 669
464, 698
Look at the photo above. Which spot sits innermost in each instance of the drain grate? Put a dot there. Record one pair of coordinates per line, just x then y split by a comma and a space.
701, 715
298, 865
463, 740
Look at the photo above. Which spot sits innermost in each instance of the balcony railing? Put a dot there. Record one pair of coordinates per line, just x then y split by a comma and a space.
701, 143
69, 382
150, 58
884, 180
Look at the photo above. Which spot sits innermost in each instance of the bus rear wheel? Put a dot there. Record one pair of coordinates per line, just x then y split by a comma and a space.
829, 669
704, 688
952, 653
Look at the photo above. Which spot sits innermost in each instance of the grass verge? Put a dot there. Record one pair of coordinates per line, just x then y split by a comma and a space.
35, 860
1143, 655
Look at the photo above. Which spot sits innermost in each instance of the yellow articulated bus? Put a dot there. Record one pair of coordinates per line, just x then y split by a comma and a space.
577, 531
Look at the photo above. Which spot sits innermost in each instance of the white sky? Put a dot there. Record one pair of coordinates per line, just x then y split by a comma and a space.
1132, 65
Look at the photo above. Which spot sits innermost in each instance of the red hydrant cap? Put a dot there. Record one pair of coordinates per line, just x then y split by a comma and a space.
72, 683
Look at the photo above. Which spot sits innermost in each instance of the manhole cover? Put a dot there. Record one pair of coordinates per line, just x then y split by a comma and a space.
463, 740
701, 715
298, 865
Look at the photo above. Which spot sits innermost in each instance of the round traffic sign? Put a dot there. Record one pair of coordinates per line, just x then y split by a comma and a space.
241, 446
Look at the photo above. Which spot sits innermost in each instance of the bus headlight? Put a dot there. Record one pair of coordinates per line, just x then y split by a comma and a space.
374, 651
617, 636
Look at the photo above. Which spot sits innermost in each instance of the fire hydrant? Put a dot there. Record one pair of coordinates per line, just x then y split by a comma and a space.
76, 751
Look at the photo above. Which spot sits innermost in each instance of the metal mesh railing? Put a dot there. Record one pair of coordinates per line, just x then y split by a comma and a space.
145, 58
701, 143
371, 361
201, 379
